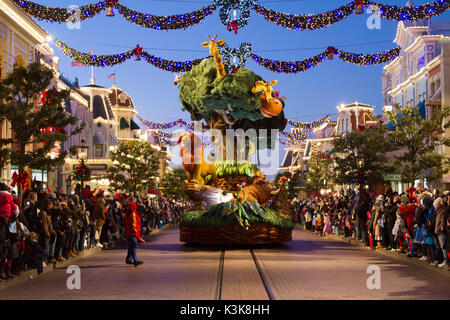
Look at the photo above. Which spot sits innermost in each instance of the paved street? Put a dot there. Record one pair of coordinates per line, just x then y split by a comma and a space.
308, 267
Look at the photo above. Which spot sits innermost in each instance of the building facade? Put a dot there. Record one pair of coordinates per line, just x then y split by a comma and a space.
420, 75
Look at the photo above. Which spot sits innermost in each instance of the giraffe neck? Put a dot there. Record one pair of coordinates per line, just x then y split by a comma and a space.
219, 65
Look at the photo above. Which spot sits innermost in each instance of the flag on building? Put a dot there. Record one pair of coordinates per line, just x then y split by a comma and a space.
112, 76
77, 64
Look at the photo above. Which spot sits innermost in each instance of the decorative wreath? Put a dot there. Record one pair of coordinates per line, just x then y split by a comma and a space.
82, 173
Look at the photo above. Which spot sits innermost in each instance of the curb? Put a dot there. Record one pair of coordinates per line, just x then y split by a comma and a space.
32, 274
383, 252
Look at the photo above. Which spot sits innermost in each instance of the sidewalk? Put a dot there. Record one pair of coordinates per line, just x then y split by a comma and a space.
383, 252
32, 273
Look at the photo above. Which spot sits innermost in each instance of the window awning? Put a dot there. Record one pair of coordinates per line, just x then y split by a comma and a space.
134, 125
123, 124
99, 138
113, 140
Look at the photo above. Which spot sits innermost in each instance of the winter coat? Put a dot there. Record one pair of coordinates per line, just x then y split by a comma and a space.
363, 207
132, 222
59, 221
75, 216
408, 212
391, 216
32, 216
419, 218
99, 212
441, 216
7, 205
45, 230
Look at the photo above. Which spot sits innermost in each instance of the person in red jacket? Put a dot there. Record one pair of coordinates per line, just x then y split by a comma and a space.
133, 233
7, 205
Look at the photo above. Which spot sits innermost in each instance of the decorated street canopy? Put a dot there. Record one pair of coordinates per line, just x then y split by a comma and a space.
229, 54
233, 23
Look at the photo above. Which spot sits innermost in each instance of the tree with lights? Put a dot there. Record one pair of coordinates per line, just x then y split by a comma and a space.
318, 175
373, 145
172, 183
294, 182
418, 140
135, 167
37, 118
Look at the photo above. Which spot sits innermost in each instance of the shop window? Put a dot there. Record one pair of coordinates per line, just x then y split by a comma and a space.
98, 151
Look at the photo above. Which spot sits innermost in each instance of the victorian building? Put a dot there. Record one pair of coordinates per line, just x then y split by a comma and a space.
420, 75
351, 117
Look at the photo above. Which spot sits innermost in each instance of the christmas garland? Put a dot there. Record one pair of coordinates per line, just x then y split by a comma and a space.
82, 173
307, 125
294, 138
303, 65
286, 20
245, 49
181, 21
61, 15
167, 125
88, 59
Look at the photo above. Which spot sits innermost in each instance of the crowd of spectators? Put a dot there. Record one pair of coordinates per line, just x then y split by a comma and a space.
44, 227
415, 223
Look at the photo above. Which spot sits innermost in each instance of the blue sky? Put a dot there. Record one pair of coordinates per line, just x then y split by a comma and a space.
310, 95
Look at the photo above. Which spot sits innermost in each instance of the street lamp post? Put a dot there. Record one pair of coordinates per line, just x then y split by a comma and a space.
157, 188
360, 163
82, 152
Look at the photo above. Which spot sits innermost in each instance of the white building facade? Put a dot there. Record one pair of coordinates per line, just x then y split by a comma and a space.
420, 75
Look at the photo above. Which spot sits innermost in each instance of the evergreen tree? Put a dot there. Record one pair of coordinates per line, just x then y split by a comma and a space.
373, 145
318, 175
172, 183
135, 166
37, 118
294, 182
418, 140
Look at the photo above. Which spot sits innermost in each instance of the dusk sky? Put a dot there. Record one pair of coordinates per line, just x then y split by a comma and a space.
310, 95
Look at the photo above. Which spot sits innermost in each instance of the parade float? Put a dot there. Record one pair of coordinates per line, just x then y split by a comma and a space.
230, 196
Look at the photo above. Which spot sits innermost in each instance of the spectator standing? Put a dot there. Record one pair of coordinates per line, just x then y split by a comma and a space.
99, 216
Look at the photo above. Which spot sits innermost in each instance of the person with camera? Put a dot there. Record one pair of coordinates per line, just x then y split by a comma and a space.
31, 212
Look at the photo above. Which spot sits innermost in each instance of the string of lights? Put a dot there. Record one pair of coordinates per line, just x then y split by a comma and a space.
234, 22
245, 49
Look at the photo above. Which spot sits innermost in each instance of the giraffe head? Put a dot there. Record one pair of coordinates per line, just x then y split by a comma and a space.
213, 46
265, 87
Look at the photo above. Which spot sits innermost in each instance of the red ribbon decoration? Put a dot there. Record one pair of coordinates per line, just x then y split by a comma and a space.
46, 98
20, 179
233, 26
138, 51
331, 50
235, 69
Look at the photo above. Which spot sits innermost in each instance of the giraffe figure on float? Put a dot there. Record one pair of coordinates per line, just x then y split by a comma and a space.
214, 51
